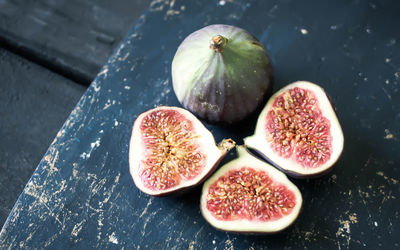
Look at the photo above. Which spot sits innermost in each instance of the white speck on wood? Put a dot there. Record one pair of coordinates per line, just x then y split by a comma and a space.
388, 135
304, 31
112, 238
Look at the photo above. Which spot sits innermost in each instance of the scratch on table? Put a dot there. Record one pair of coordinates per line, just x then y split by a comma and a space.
108, 195
147, 207
158, 5
107, 105
77, 228
145, 225
389, 179
75, 170
344, 230
228, 245
123, 58
387, 94
93, 146
104, 74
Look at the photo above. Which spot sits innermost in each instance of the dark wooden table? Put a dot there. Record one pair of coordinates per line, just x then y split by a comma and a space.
81, 195
50, 51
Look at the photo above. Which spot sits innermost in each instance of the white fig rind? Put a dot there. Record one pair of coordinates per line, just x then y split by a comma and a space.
209, 148
246, 226
259, 142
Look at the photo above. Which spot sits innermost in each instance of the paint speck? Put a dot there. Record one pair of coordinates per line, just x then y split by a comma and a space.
95, 87
95, 144
191, 245
127, 87
107, 105
222, 2
388, 135
333, 178
101, 131
112, 238
375, 223
353, 218
365, 78
397, 74
116, 123
85, 155
368, 30
387, 81
124, 79
304, 31
387, 60
334, 27
213, 242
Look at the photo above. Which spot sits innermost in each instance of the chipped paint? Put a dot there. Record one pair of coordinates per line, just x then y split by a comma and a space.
93, 146
344, 229
77, 228
144, 212
388, 135
389, 179
113, 238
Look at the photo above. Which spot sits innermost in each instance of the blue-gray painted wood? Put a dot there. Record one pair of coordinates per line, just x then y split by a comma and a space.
82, 196
32, 111
70, 37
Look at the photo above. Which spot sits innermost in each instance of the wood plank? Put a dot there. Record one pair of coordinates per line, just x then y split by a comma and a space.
71, 37
32, 110
82, 195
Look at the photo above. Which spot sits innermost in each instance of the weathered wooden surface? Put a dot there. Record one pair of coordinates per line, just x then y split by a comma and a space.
32, 110
82, 196
71, 37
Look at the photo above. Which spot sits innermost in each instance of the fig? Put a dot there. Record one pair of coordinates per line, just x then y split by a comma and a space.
298, 131
221, 73
171, 150
248, 195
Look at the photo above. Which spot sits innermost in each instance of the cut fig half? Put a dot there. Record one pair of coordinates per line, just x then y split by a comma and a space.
171, 150
298, 131
248, 195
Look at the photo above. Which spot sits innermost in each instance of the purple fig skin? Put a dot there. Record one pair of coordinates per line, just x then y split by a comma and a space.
259, 143
204, 139
225, 81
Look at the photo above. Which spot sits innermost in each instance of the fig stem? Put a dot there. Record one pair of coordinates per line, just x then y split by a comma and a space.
226, 145
218, 43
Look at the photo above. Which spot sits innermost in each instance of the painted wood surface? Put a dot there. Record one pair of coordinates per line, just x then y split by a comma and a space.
71, 37
32, 111
82, 196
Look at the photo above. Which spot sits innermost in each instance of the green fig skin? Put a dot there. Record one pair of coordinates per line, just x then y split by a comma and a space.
221, 73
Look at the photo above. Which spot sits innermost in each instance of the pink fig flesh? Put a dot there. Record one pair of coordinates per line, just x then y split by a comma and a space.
298, 131
171, 150
249, 195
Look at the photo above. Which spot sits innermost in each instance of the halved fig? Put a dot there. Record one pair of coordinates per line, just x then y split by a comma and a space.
298, 131
248, 195
171, 150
